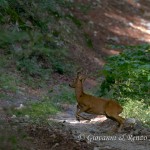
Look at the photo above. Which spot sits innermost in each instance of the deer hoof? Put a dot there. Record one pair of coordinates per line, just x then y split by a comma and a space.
78, 119
89, 119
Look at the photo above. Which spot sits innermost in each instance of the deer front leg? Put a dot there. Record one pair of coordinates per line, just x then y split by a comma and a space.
80, 110
77, 117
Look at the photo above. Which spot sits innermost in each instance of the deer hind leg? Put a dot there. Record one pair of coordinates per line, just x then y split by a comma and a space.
80, 110
117, 118
120, 120
114, 114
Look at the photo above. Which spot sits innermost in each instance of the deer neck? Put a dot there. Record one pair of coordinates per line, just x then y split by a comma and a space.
79, 89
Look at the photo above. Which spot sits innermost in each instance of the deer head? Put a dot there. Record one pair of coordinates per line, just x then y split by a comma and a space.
79, 78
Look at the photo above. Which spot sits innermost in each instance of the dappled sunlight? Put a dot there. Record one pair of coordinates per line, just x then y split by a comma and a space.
142, 29
116, 17
129, 26
114, 52
118, 23
127, 31
43, 52
68, 120
100, 62
99, 119
72, 120
134, 3
111, 51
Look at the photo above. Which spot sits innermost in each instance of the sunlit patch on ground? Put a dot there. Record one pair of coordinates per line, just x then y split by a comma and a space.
98, 119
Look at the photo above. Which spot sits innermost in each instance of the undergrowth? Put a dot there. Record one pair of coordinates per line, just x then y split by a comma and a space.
50, 104
127, 79
36, 34
137, 109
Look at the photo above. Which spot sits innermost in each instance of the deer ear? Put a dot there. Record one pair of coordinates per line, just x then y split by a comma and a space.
83, 79
79, 70
78, 74
80, 77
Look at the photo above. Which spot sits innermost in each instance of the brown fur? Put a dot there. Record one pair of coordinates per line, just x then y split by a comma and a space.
95, 105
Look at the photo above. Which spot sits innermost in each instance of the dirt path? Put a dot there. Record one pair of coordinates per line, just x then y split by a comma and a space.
108, 22
65, 133
98, 131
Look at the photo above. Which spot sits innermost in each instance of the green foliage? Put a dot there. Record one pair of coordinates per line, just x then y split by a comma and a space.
9, 38
88, 40
76, 21
38, 110
4, 62
50, 104
42, 61
127, 79
127, 74
137, 109
35, 38
62, 94
8, 82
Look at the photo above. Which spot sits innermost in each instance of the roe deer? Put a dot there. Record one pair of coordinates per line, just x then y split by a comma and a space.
95, 105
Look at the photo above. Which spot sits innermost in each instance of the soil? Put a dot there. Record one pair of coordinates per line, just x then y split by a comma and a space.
114, 22
101, 132
64, 132
125, 22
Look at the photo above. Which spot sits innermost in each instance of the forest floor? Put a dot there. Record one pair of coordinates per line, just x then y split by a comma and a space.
124, 22
64, 132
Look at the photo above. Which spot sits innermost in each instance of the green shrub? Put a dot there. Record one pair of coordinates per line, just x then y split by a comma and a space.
38, 110
62, 94
9, 82
127, 79
38, 113
8, 38
88, 40
137, 109
128, 74
35, 38
50, 104
42, 61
